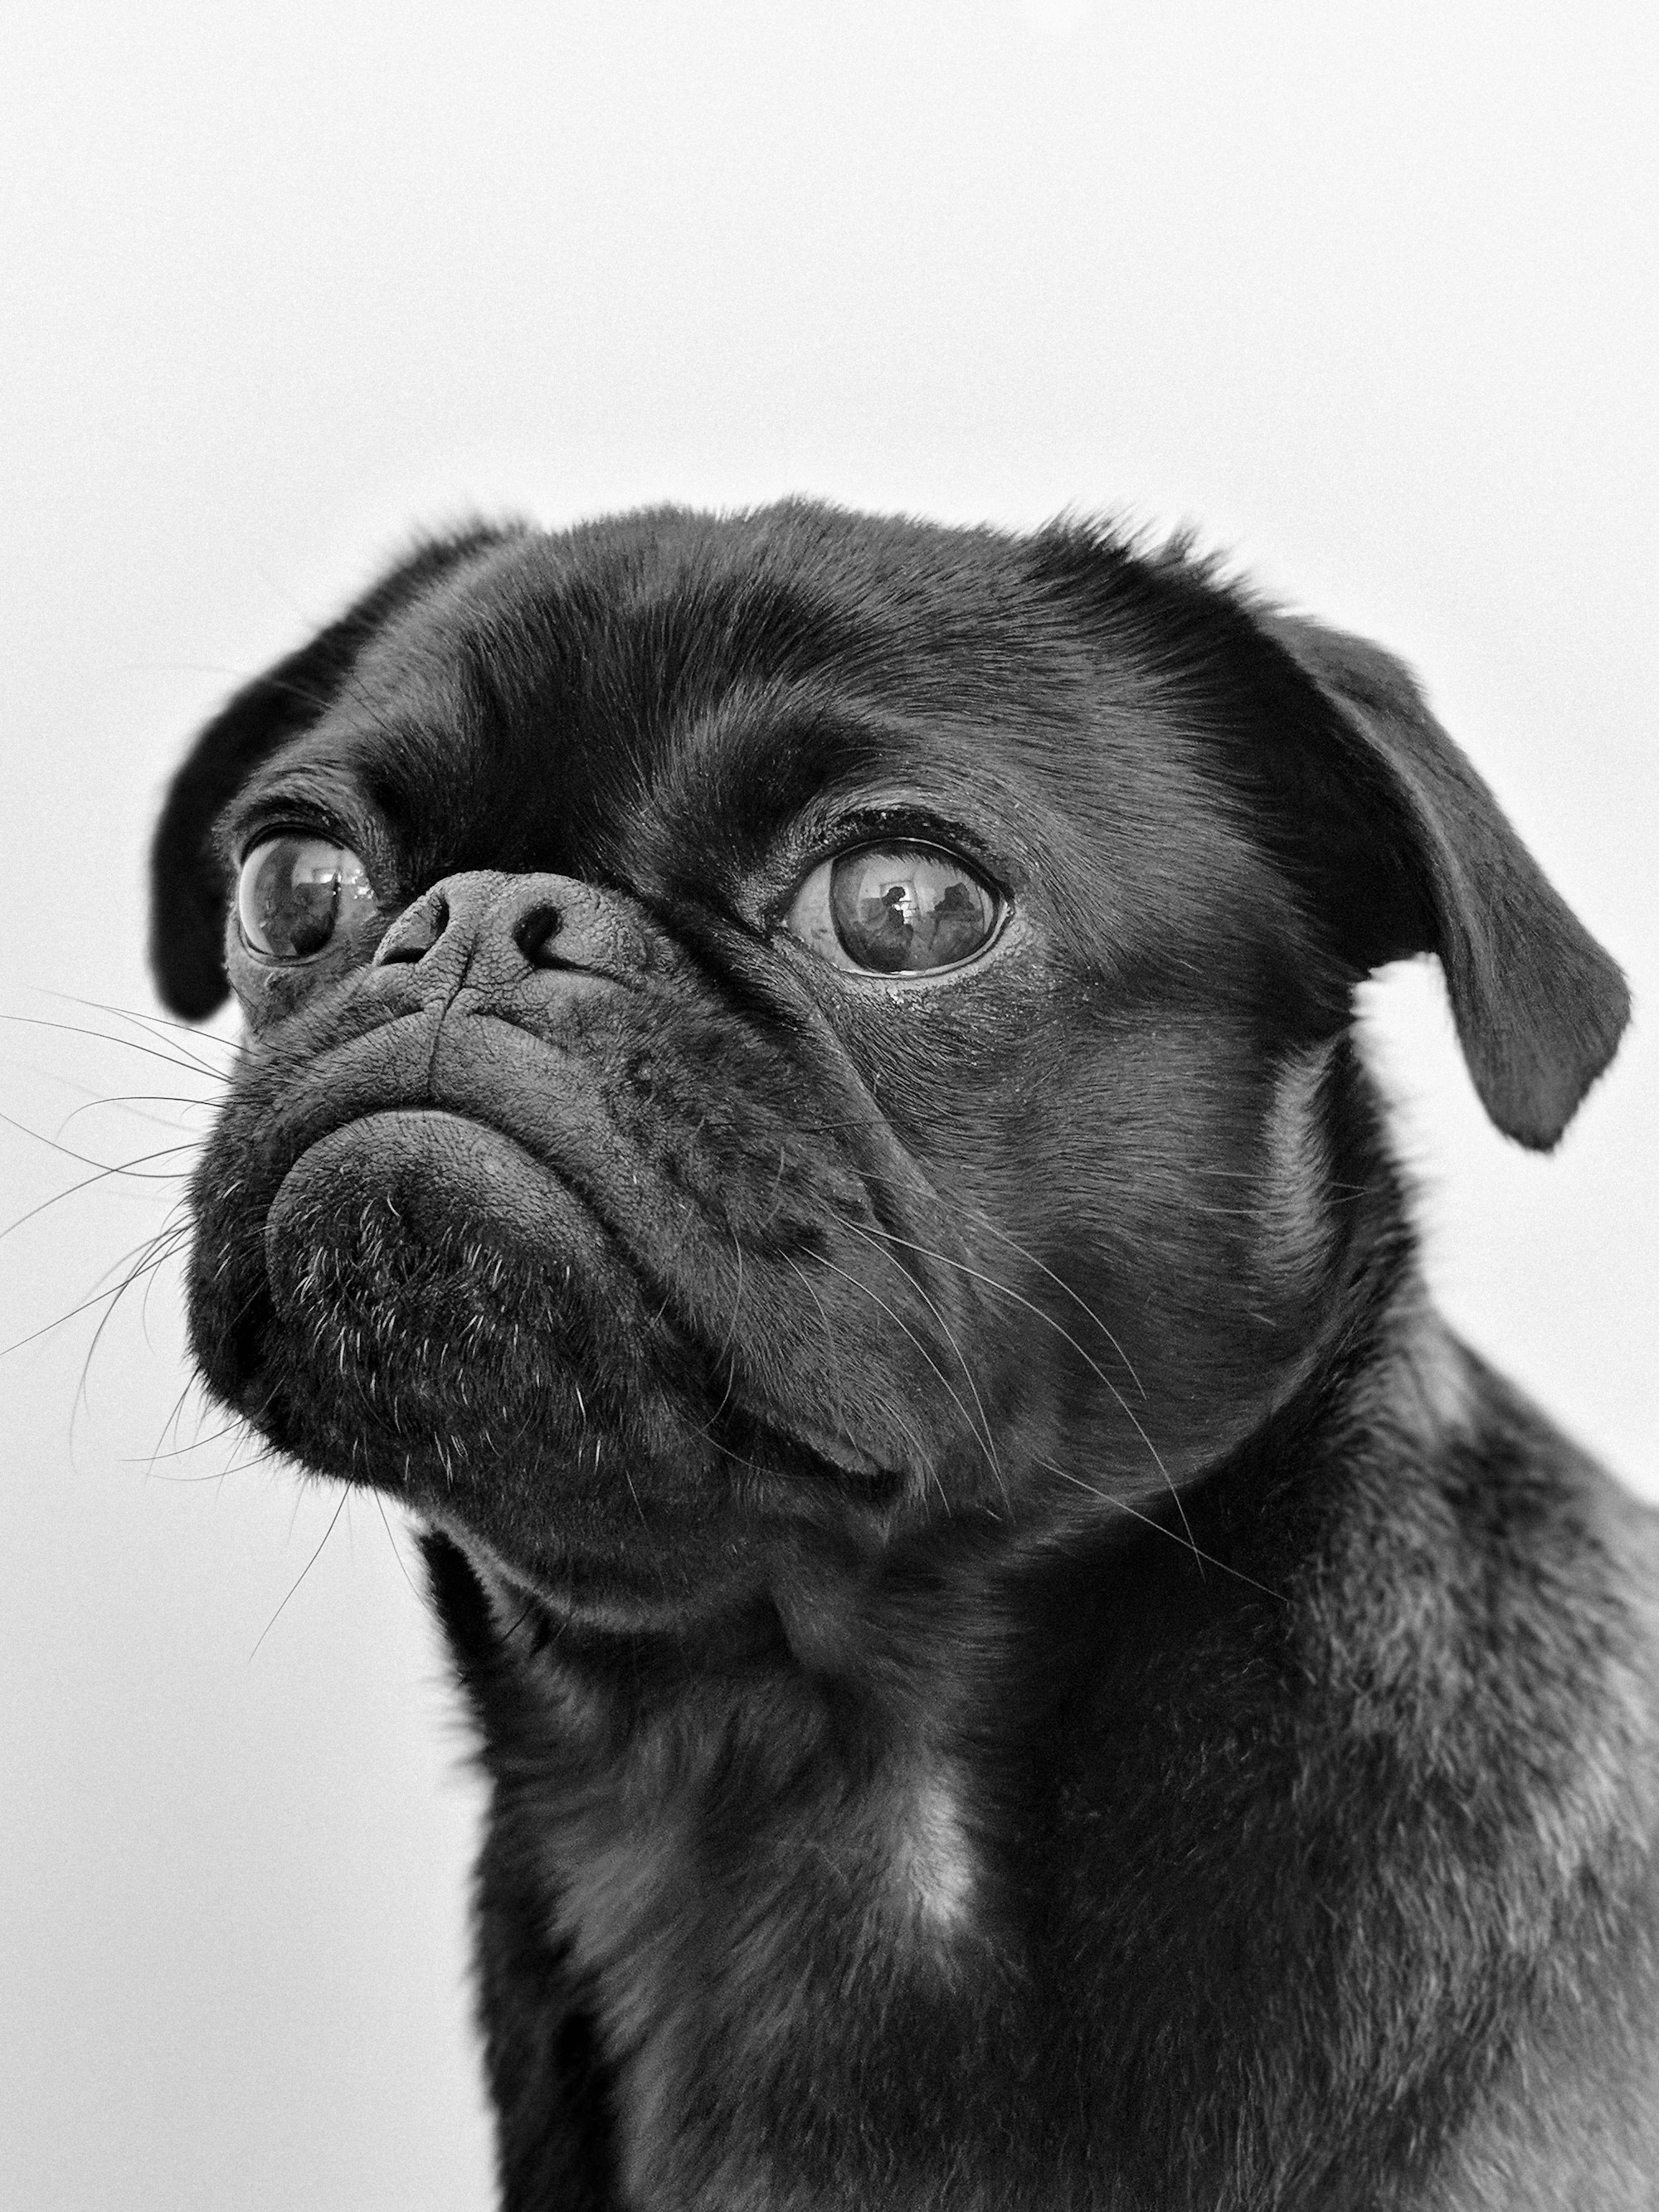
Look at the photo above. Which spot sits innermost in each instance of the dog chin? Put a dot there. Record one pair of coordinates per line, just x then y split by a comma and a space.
449, 1322
431, 1295
419, 1269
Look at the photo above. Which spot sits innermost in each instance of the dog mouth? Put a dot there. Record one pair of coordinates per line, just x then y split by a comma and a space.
433, 1172
445, 1290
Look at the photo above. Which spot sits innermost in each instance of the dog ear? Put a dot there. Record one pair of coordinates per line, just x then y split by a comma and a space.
1540, 1006
187, 890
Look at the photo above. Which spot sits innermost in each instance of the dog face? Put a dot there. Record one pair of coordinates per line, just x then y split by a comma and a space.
777, 1042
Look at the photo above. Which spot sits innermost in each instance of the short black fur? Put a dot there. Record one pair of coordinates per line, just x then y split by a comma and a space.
1019, 1663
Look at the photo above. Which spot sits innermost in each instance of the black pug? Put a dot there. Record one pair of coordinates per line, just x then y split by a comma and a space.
799, 1111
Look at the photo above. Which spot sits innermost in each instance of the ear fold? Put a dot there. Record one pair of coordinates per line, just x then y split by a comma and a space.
187, 892
1540, 1006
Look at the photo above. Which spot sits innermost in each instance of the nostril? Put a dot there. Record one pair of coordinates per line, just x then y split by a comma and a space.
535, 932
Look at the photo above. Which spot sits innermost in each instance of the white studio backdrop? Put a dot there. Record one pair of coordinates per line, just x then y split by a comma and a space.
1366, 293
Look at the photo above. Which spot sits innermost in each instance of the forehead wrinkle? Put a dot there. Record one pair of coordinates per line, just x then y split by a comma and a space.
466, 723
777, 762
585, 672
566, 695
670, 618
425, 762
873, 720
785, 740
769, 756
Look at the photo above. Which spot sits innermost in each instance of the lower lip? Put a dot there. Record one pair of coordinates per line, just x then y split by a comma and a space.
430, 1164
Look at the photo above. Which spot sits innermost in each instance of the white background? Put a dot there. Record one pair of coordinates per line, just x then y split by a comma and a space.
1366, 291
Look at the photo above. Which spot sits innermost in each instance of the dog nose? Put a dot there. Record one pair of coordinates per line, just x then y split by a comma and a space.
513, 923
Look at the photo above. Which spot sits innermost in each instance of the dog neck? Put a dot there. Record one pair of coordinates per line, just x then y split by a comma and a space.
749, 1843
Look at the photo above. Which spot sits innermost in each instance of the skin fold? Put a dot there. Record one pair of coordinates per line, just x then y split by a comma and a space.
1019, 1663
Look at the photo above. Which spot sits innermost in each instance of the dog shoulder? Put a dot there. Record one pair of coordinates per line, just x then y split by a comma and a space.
1574, 2120
1571, 2116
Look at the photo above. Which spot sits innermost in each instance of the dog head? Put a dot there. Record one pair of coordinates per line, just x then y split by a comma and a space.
775, 1040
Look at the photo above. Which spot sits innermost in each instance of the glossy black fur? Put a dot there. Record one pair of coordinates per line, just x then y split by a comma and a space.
1020, 1665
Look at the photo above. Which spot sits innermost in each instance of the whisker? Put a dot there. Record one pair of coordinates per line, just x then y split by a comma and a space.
1021, 1251
253, 1444
169, 1427
128, 1099
148, 1024
105, 1167
301, 1577
177, 1235
1008, 1291
950, 1339
242, 1429
130, 1102
172, 1234
183, 1451
829, 1337
396, 1550
104, 1171
1119, 1506
986, 1445
627, 1476
162, 1246
86, 1305
725, 1357
833, 1342
186, 1066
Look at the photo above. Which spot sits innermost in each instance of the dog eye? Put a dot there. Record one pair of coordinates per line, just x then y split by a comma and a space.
293, 893
895, 910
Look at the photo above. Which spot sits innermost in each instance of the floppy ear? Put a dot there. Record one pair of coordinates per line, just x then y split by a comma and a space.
1540, 1006
187, 890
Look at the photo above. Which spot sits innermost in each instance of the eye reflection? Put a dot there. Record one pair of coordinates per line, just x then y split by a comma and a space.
294, 891
896, 910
